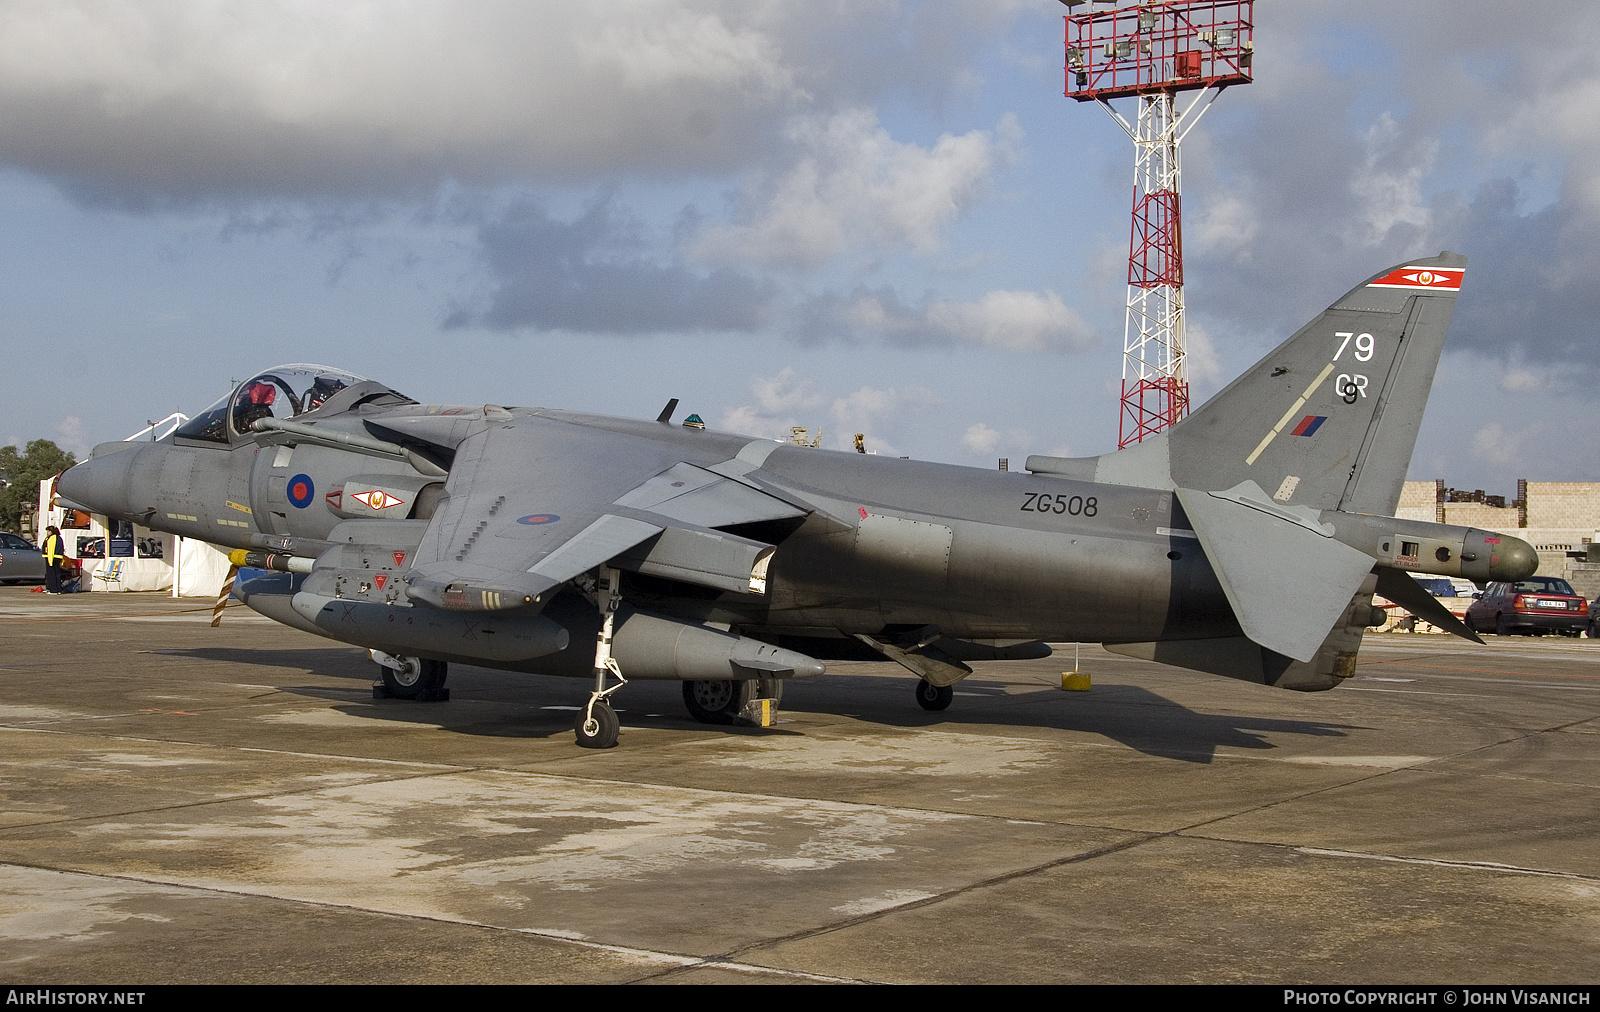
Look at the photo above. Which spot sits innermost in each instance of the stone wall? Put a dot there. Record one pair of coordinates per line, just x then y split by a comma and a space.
1563, 516
1564, 504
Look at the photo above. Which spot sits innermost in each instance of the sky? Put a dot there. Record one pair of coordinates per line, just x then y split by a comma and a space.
869, 216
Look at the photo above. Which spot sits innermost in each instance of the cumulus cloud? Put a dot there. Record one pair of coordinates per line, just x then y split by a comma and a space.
854, 186
179, 99
779, 402
342, 120
1494, 444
1225, 223
1200, 355
1387, 182
786, 400
784, 393
1017, 321
1520, 381
979, 438
981, 441
1337, 167
161, 101
73, 438
597, 274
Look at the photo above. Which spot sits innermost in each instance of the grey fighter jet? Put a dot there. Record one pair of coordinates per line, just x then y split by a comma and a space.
1246, 541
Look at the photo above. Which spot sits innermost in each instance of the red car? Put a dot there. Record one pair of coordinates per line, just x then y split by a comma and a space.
1535, 606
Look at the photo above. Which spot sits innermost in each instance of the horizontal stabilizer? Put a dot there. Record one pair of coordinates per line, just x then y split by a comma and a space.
1400, 588
1287, 581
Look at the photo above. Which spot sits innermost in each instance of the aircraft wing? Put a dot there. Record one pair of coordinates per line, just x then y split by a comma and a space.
536, 501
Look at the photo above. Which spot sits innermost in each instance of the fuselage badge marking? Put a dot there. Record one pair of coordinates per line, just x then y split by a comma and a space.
378, 499
301, 490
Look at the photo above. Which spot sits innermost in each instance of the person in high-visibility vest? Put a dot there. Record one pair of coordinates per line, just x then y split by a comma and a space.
54, 556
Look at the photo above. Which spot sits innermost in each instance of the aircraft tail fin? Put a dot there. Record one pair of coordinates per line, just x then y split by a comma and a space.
1328, 420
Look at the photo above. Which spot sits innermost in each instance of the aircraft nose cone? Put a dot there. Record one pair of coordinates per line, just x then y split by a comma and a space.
101, 482
1516, 560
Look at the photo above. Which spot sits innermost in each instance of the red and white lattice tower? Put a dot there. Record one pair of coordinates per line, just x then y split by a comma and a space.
1151, 52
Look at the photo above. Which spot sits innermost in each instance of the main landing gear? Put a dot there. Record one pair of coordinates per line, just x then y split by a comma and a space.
597, 725
732, 701
415, 678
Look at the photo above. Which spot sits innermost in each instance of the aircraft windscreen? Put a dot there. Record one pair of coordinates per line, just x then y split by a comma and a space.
210, 424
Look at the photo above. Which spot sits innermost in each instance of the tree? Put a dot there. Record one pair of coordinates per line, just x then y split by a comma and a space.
21, 473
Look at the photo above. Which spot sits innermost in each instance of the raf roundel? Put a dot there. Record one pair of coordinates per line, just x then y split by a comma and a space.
301, 491
539, 518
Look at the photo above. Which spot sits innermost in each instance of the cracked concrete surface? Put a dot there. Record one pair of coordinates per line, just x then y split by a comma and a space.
179, 804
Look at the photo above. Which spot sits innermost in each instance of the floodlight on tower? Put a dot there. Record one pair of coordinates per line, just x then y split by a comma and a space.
1151, 52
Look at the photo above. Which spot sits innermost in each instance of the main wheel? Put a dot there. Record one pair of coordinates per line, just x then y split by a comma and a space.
716, 701
934, 697
597, 726
417, 678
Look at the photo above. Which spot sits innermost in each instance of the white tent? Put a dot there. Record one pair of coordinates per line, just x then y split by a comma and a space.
200, 568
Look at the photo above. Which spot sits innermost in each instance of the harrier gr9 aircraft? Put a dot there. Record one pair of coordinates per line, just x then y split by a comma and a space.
1247, 541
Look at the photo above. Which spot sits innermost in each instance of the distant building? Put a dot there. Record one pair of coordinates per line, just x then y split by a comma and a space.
1561, 519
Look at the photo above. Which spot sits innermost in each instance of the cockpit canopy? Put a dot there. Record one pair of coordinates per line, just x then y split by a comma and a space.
281, 392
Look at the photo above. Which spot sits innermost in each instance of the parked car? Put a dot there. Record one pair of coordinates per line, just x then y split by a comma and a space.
1535, 606
20, 560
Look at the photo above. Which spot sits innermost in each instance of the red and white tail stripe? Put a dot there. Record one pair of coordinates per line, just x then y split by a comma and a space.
1443, 279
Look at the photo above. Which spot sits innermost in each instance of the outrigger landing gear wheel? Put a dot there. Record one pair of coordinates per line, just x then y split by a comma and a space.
934, 697
597, 726
416, 678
